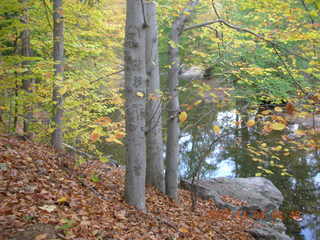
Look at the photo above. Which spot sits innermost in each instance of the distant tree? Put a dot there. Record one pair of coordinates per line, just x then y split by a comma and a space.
155, 164
172, 154
26, 52
58, 57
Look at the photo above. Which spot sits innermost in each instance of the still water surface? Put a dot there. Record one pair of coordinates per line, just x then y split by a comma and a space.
235, 153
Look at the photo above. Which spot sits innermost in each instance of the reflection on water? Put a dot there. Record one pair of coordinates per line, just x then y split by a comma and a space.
236, 152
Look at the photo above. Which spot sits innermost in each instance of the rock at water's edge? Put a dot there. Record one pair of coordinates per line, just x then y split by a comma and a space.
259, 194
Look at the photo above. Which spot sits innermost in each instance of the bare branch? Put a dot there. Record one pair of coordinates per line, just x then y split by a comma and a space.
215, 9
239, 29
109, 75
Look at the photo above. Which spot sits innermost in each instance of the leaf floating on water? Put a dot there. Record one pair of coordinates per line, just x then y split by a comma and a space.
278, 109
140, 94
251, 123
300, 132
216, 129
277, 148
297, 216
265, 112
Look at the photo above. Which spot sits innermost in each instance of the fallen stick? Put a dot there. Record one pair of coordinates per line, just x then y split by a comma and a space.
87, 155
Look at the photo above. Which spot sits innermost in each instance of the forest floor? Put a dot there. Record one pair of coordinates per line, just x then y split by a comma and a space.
43, 195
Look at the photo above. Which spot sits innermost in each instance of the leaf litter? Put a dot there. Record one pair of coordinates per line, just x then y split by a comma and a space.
39, 186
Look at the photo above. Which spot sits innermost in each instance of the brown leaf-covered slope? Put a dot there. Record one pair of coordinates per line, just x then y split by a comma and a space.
38, 187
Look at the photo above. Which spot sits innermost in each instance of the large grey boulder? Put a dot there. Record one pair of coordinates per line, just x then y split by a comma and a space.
192, 73
265, 230
258, 195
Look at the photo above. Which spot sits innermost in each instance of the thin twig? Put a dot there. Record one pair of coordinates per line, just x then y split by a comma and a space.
215, 9
288, 71
109, 75
46, 12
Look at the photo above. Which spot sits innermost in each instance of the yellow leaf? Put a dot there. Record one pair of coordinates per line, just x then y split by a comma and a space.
104, 121
104, 159
119, 135
268, 171
62, 200
183, 230
41, 236
267, 127
117, 100
251, 123
140, 94
278, 109
275, 157
94, 137
263, 145
258, 174
183, 117
216, 129
300, 132
266, 112
252, 151
277, 148
51, 130
278, 126
237, 123
257, 160
63, 90
113, 140
197, 102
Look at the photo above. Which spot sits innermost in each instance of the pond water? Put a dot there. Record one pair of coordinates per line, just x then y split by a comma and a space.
238, 151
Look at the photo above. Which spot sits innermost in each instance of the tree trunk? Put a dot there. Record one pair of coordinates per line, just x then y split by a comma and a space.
58, 57
172, 150
155, 164
135, 94
27, 81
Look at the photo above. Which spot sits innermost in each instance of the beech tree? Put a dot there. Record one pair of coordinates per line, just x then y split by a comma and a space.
155, 164
58, 57
26, 52
135, 102
172, 150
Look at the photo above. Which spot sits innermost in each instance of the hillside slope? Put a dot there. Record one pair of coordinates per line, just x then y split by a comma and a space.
44, 196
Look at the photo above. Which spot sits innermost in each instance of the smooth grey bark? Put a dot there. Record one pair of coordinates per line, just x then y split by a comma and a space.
155, 161
27, 81
172, 150
58, 57
135, 104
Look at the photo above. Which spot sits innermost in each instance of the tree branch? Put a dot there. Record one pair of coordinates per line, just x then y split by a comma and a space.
239, 29
47, 10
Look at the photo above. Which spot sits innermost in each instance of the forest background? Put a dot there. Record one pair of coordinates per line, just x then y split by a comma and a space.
263, 52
